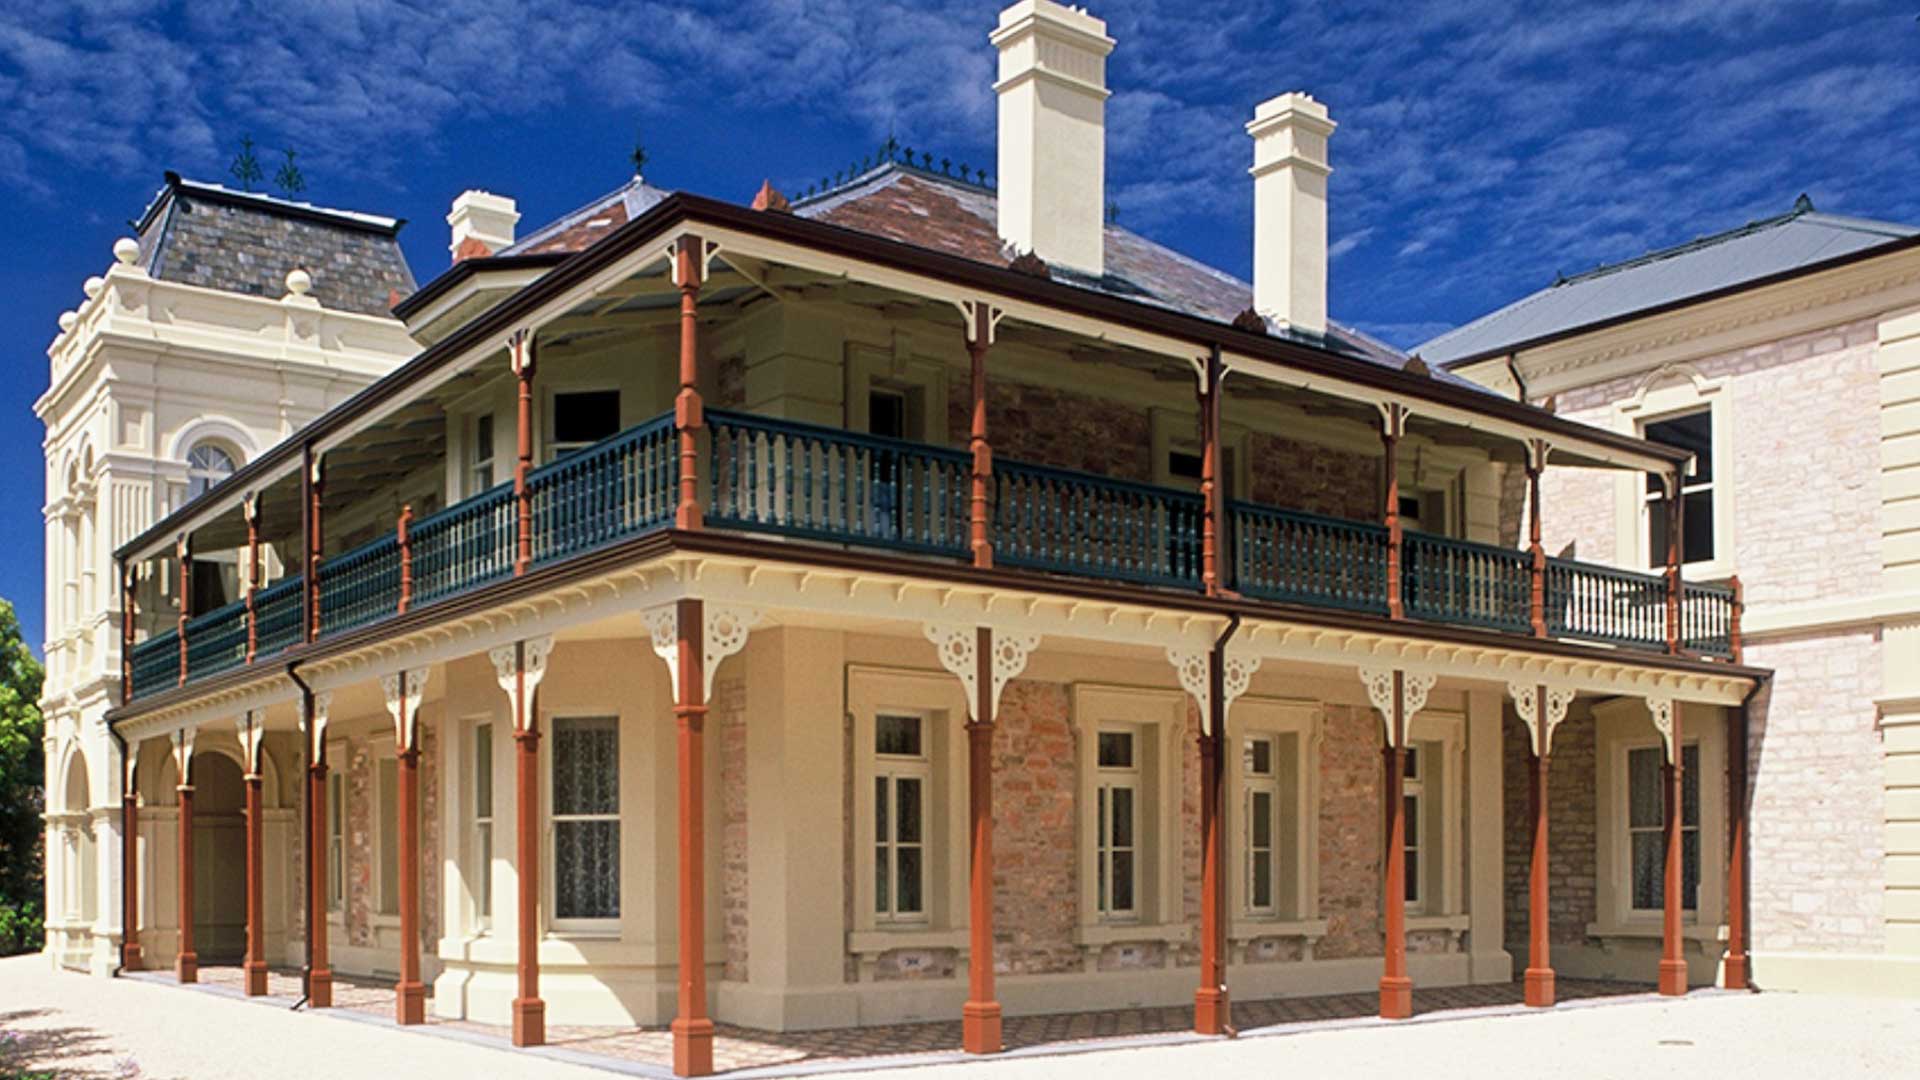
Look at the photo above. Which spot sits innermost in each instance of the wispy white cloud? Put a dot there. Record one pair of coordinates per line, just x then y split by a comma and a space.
1484, 145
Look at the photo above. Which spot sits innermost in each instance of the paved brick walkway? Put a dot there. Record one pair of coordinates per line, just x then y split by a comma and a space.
738, 1048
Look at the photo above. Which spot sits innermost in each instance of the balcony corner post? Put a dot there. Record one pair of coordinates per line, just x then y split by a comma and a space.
182, 558
1213, 524
525, 359
981, 319
1537, 451
251, 509
1393, 426
406, 559
312, 477
689, 273
1676, 520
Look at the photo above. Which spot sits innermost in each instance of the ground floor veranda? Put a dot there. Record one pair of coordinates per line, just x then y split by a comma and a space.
870, 803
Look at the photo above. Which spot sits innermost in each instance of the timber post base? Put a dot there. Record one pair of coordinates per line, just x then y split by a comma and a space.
256, 973
1539, 987
186, 967
1396, 998
132, 959
1673, 977
320, 989
692, 1046
1737, 972
980, 1027
529, 1022
1210, 1011
410, 1004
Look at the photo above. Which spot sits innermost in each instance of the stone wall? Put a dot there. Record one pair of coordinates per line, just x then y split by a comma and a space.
362, 795
1351, 827
1036, 895
1804, 473
1295, 475
1572, 832
727, 716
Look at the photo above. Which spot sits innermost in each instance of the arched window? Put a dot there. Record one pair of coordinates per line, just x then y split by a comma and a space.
207, 465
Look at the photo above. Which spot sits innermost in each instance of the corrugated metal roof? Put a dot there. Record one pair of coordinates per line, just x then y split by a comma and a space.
1798, 239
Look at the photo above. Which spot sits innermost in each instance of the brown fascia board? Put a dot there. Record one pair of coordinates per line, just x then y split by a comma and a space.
467, 268
833, 239
1892, 247
676, 541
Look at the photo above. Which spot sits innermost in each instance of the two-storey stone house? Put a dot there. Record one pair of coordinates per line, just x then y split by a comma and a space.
914, 597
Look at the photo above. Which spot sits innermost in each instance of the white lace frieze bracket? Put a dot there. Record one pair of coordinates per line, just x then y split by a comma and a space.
514, 660
404, 689
1660, 709
251, 726
182, 741
724, 634
959, 650
316, 732
1414, 688
1527, 703
1235, 679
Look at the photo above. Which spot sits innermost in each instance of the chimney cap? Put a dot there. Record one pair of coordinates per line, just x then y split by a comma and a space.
1296, 108
1075, 23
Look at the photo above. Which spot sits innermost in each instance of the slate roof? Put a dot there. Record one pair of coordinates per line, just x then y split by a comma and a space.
1801, 239
245, 242
937, 211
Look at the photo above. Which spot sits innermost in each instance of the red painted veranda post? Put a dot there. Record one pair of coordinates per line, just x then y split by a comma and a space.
129, 593
1213, 523
1394, 425
689, 413
251, 510
525, 360
1212, 1007
979, 340
1673, 964
1396, 988
183, 561
692, 1028
186, 963
312, 477
406, 559
410, 995
1676, 521
254, 968
529, 1010
319, 973
1539, 972
1536, 553
980, 1028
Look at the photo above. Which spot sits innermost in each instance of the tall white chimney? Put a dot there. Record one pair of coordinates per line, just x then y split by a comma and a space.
1290, 173
485, 219
1053, 137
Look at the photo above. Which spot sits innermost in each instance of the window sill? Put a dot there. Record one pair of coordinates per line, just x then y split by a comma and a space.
875, 942
1250, 928
1651, 930
1454, 923
1100, 935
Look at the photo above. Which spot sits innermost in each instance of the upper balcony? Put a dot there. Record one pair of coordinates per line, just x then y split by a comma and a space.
752, 373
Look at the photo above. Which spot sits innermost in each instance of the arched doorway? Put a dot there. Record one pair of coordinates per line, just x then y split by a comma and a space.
219, 860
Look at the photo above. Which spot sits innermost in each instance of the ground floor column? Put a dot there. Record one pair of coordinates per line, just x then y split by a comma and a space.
1211, 1005
404, 690
980, 1015
1539, 974
186, 963
1673, 963
692, 1028
1398, 695
319, 974
519, 667
252, 730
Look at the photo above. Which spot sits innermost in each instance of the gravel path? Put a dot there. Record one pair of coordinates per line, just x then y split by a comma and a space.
87, 1027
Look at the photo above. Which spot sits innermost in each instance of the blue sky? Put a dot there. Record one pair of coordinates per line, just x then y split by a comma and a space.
1483, 146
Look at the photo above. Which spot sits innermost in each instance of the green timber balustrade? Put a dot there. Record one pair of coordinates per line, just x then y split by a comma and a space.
809, 482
